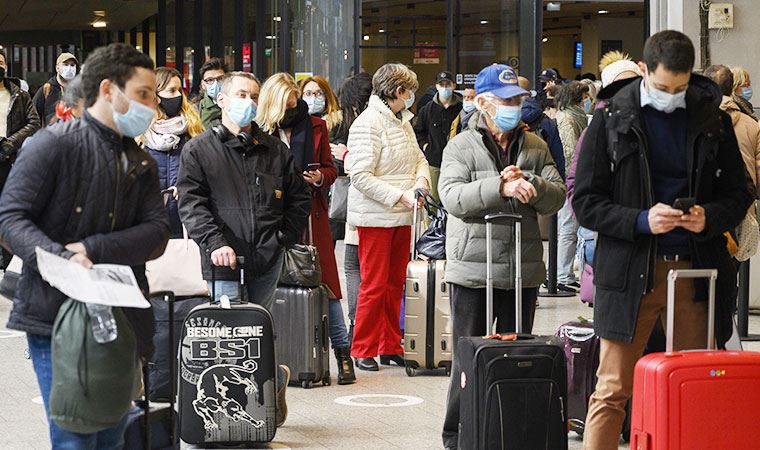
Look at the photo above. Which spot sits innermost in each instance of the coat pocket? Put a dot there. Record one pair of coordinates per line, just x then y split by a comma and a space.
612, 262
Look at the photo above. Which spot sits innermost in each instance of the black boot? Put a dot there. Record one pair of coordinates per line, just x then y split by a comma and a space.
346, 373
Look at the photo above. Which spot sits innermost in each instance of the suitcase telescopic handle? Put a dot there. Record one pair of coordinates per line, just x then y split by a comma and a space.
673, 275
418, 193
240, 260
490, 219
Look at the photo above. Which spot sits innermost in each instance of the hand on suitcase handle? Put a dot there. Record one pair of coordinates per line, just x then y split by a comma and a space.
224, 257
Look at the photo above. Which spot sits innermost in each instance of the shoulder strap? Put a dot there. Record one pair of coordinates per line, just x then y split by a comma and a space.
46, 88
454, 126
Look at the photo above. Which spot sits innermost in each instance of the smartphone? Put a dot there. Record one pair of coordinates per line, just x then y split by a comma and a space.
313, 166
684, 204
168, 191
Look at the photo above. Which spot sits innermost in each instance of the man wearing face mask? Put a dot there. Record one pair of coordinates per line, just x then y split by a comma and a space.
89, 171
434, 122
659, 139
493, 166
51, 93
212, 73
240, 195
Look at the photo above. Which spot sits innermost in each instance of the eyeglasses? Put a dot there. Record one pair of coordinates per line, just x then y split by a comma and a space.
315, 94
213, 79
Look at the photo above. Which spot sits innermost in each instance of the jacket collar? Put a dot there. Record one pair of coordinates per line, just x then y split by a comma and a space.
379, 106
702, 98
12, 85
455, 100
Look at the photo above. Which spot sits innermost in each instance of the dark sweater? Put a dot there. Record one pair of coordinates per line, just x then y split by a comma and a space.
669, 166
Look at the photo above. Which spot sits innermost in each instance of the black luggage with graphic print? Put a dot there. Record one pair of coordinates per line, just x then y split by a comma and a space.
227, 373
514, 387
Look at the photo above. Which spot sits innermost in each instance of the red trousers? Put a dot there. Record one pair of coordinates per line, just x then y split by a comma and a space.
383, 256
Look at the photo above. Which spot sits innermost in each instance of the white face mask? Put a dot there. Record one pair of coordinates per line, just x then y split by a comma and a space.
663, 101
410, 101
68, 72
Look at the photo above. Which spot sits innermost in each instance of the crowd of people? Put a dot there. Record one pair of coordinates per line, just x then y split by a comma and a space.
110, 159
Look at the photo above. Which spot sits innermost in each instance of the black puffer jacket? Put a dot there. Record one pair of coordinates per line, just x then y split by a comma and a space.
243, 195
22, 119
45, 104
613, 184
70, 185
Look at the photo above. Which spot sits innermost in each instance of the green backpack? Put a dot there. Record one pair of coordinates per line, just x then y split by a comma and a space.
93, 384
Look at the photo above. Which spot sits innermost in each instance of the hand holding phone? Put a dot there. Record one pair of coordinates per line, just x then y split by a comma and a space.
313, 166
684, 204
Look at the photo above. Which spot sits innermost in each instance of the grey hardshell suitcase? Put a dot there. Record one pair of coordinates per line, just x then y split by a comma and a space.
301, 325
302, 328
427, 317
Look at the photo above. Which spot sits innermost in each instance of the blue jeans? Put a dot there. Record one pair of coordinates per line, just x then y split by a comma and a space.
60, 439
338, 331
567, 239
260, 289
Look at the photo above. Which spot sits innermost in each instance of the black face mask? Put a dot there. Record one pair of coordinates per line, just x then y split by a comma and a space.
289, 119
171, 106
2, 73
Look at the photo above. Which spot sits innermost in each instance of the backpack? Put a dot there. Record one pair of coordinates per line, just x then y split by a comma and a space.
93, 384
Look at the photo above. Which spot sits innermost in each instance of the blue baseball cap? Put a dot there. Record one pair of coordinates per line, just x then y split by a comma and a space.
500, 80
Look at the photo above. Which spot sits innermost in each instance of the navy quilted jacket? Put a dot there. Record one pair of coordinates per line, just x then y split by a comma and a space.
74, 183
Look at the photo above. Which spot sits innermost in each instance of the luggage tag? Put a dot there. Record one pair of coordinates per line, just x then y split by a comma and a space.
224, 302
502, 337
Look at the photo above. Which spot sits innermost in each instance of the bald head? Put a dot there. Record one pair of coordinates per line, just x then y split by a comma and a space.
723, 77
524, 83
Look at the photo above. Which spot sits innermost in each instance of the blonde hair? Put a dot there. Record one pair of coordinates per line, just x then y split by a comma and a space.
392, 76
332, 114
611, 57
741, 76
273, 100
164, 76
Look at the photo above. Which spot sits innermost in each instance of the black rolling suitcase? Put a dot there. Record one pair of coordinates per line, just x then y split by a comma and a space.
513, 386
227, 373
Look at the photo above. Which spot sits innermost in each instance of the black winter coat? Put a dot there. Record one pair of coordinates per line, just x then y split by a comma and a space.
433, 126
249, 197
613, 184
70, 185
22, 120
45, 105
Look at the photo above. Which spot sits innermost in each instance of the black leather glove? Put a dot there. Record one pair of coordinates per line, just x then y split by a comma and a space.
7, 152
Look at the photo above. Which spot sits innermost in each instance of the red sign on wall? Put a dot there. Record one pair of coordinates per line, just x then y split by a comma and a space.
424, 55
247, 57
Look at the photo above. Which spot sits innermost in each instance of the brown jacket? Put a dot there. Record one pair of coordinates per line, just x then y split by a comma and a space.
748, 135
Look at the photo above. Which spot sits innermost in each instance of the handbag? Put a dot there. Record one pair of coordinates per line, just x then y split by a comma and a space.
747, 236
432, 242
339, 199
301, 264
178, 269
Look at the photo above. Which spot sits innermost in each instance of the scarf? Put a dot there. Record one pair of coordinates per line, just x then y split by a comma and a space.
165, 134
302, 138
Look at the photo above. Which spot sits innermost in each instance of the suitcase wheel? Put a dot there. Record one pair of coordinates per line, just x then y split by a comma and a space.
326, 381
411, 371
448, 371
306, 384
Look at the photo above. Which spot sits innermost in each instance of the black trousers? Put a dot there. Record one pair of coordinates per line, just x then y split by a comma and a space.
468, 316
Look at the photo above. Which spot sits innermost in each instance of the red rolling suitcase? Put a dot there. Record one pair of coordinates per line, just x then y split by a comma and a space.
705, 400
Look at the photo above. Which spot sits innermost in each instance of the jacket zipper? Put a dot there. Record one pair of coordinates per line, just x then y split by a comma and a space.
252, 200
10, 108
643, 155
116, 191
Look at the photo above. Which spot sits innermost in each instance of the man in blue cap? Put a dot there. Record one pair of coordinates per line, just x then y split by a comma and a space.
493, 166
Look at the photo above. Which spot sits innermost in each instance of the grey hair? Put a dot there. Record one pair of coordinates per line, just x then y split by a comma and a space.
227, 81
392, 76
73, 93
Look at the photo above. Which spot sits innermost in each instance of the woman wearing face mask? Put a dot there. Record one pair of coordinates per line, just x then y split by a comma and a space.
281, 113
386, 166
572, 99
176, 121
743, 91
322, 102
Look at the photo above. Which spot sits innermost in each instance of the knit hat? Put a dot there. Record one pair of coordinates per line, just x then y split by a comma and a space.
616, 68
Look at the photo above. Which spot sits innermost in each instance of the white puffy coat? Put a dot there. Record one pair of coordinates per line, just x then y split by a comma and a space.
384, 161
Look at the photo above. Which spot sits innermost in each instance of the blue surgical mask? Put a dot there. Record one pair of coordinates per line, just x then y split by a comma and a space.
663, 101
135, 121
507, 117
316, 105
587, 105
410, 101
241, 111
747, 93
212, 89
444, 93
468, 105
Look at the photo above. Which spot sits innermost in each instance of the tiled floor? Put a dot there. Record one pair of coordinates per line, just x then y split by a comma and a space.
315, 421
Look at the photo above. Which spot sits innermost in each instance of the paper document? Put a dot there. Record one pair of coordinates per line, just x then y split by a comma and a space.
105, 284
